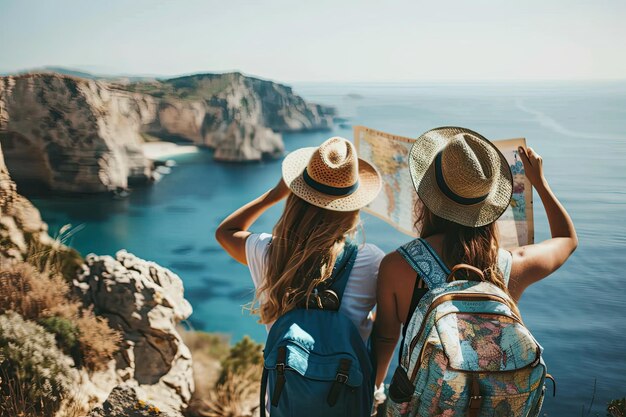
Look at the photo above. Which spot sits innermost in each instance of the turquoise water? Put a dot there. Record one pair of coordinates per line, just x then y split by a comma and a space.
577, 314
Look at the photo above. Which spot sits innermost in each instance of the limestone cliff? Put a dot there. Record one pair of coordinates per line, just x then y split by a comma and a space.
236, 115
84, 135
141, 299
21, 227
72, 134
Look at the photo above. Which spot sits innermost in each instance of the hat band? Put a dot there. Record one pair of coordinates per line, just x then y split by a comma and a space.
441, 182
328, 189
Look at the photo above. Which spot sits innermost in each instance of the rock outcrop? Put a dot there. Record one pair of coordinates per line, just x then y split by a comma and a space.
140, 298
73, 134
21, 225
85, 135
123, 402
145, 301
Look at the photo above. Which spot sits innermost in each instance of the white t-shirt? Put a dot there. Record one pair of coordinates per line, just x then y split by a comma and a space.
359, 297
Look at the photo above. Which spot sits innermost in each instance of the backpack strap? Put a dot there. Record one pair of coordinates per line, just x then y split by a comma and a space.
425, 261
342, 269
263, 393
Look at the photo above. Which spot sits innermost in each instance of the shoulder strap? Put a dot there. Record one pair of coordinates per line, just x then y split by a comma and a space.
342, 269
263, 393
425, 261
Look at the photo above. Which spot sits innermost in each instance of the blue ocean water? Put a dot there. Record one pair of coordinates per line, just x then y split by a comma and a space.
577, 314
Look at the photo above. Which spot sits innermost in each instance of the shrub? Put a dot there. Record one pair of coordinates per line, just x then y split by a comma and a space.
33, 294
236, 396
243, 356
66, 333
96, 340
54, 258
46, 299
212, 345
35, 374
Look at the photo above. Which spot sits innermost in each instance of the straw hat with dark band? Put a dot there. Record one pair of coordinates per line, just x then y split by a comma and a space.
461, 176
331, 176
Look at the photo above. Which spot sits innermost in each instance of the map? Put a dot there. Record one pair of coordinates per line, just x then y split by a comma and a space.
397, 203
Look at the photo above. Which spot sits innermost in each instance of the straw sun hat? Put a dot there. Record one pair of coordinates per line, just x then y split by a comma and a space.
331, 176
461, 176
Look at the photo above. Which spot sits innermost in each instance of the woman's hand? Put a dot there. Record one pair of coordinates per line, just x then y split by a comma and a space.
280, 190
533, 166
532, 263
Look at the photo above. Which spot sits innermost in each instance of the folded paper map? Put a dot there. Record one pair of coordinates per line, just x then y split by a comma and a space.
397, 201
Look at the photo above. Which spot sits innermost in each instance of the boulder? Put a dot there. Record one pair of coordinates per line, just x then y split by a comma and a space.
145, 301
123, 402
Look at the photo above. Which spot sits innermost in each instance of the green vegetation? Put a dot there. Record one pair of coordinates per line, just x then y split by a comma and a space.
245, 355
35, 374
65, 331
45, 298
235, 392
193, 87
210, 345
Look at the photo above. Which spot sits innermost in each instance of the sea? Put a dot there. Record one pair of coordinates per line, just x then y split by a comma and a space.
578, 314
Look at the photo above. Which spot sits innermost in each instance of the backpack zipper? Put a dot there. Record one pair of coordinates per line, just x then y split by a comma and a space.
452, 297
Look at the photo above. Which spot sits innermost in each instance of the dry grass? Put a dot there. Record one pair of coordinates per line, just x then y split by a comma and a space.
39, 295
54, 258
237, 396
227, 377
96, 340
32, 294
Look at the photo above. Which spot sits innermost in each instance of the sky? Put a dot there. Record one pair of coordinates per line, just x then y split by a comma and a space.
343, 41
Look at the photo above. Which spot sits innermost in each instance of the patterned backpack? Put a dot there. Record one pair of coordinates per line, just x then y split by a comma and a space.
315, 361
466, 351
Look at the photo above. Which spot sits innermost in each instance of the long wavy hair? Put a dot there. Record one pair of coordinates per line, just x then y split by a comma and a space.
476, 246
306, 242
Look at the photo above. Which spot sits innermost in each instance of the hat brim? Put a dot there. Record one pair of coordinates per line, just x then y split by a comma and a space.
421, 167
370, 183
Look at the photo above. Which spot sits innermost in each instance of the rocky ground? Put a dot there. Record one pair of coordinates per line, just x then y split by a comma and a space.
151, 373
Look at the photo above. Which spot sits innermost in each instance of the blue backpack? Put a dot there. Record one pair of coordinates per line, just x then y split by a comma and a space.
315, 362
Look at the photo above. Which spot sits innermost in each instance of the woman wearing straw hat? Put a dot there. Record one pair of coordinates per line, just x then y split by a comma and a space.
325, 187
465, 184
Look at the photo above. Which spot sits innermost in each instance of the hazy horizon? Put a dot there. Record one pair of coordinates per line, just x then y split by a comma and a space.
94, 72
323, 41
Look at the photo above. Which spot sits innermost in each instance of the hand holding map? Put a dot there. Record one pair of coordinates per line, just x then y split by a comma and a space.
397, 201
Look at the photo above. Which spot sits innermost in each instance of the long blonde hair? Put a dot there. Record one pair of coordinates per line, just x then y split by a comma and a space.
305, 244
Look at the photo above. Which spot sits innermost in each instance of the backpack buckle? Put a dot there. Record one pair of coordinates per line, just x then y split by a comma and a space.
280, 368
341, 378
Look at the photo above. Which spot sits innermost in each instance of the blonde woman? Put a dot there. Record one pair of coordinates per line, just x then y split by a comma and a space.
295, 268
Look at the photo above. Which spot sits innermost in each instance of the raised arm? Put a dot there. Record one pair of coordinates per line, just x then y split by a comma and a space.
532, 263
232, 233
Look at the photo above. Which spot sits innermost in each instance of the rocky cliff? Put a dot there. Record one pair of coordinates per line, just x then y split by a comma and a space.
84, 135
21, 227
140, 299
